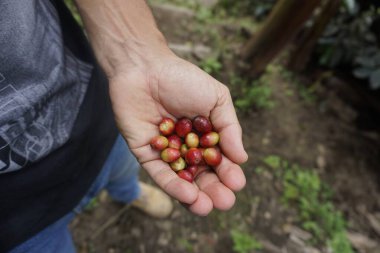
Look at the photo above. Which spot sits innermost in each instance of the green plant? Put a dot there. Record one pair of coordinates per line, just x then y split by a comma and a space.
259, 170
307, 93
257, 95
350, 41
304, 189
345, 36
244, 242
184, 243
273, 161
368, 66
74, 11
188, 4
92, 204
339, 243
204, 14
258, 8
211, 65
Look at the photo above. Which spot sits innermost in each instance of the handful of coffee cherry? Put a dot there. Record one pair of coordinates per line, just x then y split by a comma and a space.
187, 144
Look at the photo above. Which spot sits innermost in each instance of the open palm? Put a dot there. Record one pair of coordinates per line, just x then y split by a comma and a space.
176, 88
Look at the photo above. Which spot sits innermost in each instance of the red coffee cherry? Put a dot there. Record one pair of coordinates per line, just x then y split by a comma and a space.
170, 155
193, 156
159, 142
212, 156
174, 141
192, 140
184, 174
202, 124
183, 127
178, 164
166, 126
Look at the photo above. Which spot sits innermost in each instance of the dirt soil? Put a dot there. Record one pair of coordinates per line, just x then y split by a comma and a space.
318, 135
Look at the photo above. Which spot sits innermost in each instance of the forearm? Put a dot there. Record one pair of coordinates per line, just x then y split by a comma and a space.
123, 33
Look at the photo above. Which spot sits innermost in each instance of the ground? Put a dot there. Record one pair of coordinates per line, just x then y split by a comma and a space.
310, 127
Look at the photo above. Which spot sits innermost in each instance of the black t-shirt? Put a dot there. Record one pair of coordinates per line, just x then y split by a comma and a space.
56, 124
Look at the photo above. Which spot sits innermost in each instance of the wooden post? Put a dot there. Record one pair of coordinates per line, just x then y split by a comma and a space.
283, 23
301, 54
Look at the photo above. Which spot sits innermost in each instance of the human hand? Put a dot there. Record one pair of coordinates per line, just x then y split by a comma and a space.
148, 82
172, 87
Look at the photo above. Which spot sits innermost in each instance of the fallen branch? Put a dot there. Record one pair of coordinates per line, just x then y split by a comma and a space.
109, 222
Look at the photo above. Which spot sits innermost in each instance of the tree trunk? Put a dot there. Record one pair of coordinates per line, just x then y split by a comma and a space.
301, 54
283, 23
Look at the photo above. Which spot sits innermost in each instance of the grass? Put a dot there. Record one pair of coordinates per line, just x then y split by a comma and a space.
188, 4
92, 204
259, 170
273, 161
256, 94
186, 244
306, 93
304, 190
211, 65
244, 242
74, 11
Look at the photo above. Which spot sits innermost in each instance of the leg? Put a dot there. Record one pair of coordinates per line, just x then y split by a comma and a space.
55, 238
123, 184
121, 170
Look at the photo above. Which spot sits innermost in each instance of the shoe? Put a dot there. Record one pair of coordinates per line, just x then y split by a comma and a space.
153, 201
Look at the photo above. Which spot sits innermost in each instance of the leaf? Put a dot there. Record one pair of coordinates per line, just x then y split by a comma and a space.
244, 242
291, 192
376, 58
273, 161
242, 103
365, 61
374, 79
340, 243
351, 6
362, 72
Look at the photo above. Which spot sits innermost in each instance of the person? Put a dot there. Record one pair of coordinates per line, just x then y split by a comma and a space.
60, 105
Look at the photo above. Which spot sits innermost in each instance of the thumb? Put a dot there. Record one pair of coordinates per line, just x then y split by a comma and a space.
225, 121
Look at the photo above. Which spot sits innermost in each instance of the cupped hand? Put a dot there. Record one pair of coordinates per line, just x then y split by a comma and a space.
172, 87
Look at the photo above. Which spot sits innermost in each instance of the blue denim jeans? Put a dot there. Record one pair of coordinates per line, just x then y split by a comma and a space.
119, 176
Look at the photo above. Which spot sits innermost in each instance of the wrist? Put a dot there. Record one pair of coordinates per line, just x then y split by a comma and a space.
122, 54
139, 53
122, 33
